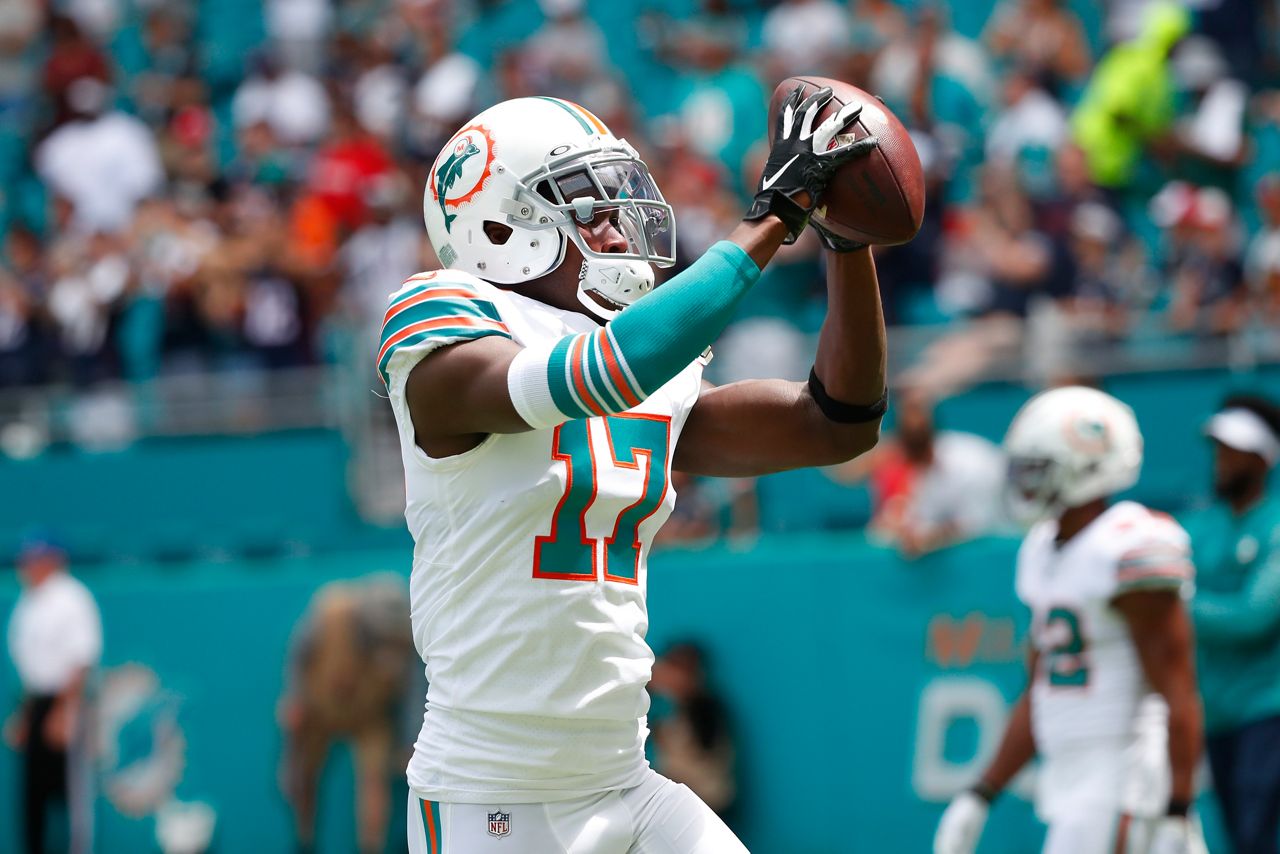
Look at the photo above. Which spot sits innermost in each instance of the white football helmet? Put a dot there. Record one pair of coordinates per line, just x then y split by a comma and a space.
1068, 446
535, 165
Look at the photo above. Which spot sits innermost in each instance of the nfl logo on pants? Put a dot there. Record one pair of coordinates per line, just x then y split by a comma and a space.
499, 823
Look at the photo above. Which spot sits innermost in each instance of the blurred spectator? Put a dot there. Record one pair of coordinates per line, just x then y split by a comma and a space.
344, 168
801, 35
719, 98
1028, 132
169, 47
101, 161
55, 641
291, 102
694, 742
1236, 611
72, 56
931, 488
298, 29
350, 679
568, 53
938, 82
1210, 128
23, 283
1041, 36
20, 22
883, 21
1262, 263
90, 276
1204, 265
390, 247
1129, 102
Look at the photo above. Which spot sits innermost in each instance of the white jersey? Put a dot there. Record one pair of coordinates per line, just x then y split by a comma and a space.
1089, 685
528, 582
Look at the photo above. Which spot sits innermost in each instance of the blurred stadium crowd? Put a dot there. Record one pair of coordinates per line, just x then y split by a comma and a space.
219, 185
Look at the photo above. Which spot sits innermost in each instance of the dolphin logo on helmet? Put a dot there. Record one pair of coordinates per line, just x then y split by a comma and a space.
449, 173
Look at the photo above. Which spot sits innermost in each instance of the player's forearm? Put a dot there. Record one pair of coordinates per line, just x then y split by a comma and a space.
759, 238
1185, 734
1017, 748
851, 347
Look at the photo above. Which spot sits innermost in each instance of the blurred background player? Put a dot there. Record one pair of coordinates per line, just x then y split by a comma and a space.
55, 641
528, 380
1111, 709
1236, 611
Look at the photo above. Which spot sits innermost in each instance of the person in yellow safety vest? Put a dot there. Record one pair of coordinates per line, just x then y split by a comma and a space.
1128, 103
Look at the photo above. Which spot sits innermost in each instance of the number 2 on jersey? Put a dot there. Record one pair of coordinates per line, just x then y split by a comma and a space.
1067, 665
567, 552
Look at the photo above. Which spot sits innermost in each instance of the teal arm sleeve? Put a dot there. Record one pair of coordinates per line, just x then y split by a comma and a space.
617, 366
1244, 616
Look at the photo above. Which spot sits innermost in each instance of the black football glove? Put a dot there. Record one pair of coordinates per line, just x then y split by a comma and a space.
799, 159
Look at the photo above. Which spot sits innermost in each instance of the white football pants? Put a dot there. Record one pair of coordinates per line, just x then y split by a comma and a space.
655, 817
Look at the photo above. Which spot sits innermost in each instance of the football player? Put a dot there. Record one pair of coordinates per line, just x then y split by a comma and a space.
544, 391
1111, 708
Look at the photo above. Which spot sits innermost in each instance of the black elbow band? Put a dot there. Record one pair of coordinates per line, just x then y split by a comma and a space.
845, 413
1179, 808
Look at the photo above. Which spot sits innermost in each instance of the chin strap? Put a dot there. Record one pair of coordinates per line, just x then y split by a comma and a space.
619, 281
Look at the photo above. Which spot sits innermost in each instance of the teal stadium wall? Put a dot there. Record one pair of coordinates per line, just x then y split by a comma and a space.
860, 686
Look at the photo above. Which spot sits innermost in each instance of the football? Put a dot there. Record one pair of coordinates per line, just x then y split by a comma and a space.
876, 199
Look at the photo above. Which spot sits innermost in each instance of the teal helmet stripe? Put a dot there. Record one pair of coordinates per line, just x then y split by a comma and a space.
571, 111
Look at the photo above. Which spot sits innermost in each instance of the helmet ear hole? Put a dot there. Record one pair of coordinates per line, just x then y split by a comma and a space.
497, 233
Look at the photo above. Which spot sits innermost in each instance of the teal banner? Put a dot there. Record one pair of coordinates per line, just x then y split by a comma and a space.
864, 691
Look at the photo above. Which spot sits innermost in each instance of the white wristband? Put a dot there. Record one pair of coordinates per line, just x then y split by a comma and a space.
530, 393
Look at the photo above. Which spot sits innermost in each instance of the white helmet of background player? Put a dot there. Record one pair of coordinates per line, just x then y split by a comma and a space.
535, 165
1069, 446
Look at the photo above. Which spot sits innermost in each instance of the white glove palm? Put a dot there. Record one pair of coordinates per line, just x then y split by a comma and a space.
1177, 835
961, 825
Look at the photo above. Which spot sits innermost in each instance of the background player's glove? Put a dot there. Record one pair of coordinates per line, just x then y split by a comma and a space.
1176, 834
799, 160
961, 824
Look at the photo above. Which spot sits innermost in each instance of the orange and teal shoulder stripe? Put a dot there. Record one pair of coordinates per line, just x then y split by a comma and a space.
584, 117
431, 826
427, 308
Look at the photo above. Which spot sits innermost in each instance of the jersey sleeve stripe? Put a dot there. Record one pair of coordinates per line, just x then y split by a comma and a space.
615, 370
579, 380
484, 326
1179, 570
421, 295
444, 307
1151, 582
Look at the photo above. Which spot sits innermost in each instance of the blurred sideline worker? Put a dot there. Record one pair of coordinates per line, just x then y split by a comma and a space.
351, 663
694, 743
55, 641
1111, 707
1236, 611
544, 391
